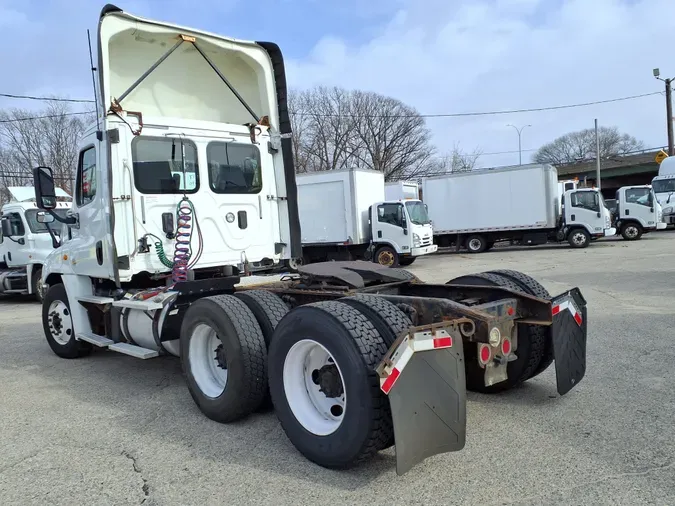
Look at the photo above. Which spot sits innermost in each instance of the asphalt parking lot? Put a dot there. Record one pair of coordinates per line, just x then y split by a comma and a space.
110, 429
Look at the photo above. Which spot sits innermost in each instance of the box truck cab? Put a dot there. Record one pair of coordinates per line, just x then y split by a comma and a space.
637, 211
25, 243
584, 209
344, 215
664, 189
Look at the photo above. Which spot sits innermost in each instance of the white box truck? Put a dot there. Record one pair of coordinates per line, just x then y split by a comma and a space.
516, 204
637, 212
402, 190
344, 215
24, 242
664, 189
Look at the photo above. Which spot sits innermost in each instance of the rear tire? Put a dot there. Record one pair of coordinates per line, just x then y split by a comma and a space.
406, 274
476, 243
532, 287
57, 322
224, 358
327, 430
631, 231
530, 349
579, 238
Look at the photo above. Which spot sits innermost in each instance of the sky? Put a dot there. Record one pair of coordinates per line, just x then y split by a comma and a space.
439, 56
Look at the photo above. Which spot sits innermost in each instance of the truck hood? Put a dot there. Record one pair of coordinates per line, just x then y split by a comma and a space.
184, 85
27, 193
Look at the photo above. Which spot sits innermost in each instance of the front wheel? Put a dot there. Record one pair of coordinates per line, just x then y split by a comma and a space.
57, 322
631, 231
36, 285
326, 392
405, 261
579, 238
386, 256
476, 244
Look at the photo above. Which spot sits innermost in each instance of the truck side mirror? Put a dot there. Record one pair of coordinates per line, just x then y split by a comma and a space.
43, 217
45, 193
6, 228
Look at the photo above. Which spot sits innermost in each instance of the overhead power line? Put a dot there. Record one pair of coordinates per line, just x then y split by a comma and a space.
47, 99
29, 118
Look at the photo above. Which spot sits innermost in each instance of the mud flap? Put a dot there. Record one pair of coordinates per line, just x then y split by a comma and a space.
569, 339
424, 379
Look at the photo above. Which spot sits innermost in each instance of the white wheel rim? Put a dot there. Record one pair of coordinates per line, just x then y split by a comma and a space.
474, 244
319, 414
205, 366
294, 263
60, 322
579, 238
631, 231
40, 290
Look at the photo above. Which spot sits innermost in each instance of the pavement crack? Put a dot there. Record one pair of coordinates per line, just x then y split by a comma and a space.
137, 469
20, 461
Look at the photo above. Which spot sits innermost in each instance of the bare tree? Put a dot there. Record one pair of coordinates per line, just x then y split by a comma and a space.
456, 161
48, 137
580, 146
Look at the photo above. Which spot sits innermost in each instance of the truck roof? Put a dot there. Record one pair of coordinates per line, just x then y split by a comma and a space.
509, 168
27, 193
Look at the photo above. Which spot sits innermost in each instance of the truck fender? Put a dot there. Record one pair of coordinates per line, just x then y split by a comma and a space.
76, 287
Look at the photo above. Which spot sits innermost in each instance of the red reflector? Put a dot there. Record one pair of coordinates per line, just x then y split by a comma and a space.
577, 318
555, 310
485, 353
506, 347
510, 311
443, 342
391, 379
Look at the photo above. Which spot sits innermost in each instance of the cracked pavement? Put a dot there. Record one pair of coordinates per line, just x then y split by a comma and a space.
111, 429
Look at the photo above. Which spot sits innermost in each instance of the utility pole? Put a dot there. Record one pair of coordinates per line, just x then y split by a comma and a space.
669, 110
520, 148
597, 154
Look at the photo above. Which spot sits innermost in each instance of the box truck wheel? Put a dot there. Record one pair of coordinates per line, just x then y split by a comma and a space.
386, 256
36, 284
406, 260
579, 238
532, 287
476, 243
326, 392
529, 352
57, 322
631, 231
224, 358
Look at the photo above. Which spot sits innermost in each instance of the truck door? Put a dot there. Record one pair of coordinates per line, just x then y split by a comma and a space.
15, 253
638, 204
585, 209
390, 226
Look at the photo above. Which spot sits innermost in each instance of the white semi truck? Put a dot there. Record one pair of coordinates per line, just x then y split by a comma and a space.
519, 204
663, 185
402, 190
344, 216
24, 242
355, 357
637, 211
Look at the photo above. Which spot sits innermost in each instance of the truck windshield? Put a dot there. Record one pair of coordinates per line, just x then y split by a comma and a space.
41, 228
663, 185
417, 212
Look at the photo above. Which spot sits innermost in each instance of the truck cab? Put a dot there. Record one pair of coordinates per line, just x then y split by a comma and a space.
25, 243
401, 231
584, 210
637, 211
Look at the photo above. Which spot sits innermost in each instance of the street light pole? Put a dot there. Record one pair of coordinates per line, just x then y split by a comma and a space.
520, 149
669, 110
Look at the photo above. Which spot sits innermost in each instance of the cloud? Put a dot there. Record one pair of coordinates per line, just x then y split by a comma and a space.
480, 55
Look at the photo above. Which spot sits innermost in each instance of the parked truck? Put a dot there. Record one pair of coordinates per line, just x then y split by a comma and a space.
344, 216
402, 190
663, 185
24, 242
636, 212
354, 357
518, 204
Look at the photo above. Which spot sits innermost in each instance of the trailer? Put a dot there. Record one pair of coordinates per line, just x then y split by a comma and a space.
402, 190
353, 357
344, 215
24, 242
518, 205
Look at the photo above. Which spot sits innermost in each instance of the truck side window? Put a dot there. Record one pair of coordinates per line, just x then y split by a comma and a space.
390, 213
16, 224
586, 200
234, 167
638, 196
86, 177
158, 165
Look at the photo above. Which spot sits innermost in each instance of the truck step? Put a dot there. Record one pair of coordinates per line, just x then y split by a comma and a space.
133, 351
95, 299
141, 305
95, 339
20, 291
